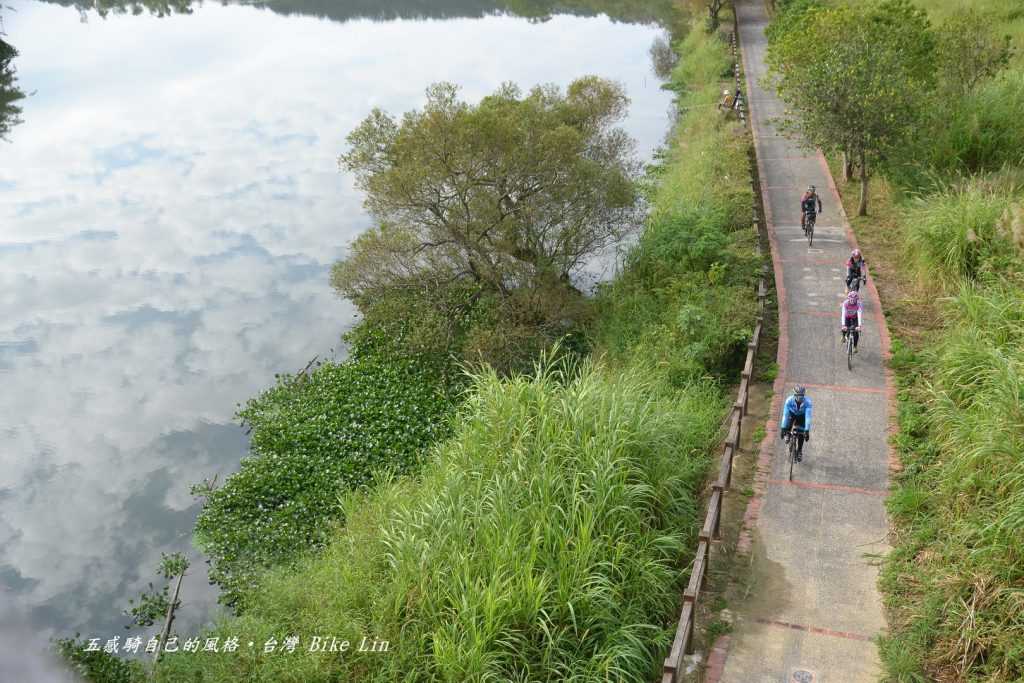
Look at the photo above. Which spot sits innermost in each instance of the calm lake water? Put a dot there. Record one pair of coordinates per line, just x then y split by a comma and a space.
169, 210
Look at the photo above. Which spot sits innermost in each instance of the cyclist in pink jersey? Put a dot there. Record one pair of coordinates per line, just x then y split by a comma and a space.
852, 315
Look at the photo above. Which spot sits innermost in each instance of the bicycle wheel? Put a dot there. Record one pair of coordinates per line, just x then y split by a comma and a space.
849, 351
810, 233
792, 455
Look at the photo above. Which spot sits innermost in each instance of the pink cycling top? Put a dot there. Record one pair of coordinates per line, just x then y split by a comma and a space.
849, 311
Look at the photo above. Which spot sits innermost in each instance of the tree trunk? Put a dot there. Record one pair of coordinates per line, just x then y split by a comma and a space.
714, 7
862, 207
166, 631
847, 167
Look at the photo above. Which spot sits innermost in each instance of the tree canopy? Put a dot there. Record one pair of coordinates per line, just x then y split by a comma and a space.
971, 49
491, 207
854, 77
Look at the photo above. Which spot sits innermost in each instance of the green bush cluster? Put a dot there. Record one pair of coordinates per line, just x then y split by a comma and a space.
963, 233
966, 134
97, 665
315, 437
546, 540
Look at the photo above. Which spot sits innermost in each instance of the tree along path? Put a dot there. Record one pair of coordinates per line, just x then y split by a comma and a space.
813, 609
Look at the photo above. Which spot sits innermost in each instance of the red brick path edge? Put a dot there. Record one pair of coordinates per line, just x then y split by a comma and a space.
716, 659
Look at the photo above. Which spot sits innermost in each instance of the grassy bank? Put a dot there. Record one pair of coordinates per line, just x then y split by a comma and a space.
948, 266
548, 537
954, 583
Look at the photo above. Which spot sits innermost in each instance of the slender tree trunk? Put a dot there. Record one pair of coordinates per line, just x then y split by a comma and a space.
862, 207
169, 619
847, 167
714, 7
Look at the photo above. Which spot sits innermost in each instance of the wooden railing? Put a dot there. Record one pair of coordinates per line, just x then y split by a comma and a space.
710, 532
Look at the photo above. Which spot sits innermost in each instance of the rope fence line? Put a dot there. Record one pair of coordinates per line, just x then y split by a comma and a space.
682, 643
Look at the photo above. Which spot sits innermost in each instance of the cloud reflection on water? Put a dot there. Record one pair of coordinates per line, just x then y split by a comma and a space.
170, 208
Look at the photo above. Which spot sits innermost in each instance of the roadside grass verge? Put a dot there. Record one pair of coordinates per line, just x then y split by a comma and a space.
948, 267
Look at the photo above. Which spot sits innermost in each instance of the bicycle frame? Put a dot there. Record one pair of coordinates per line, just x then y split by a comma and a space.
793, 445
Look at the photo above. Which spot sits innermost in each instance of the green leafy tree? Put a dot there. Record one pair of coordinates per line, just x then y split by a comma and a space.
855, 78
971, 50
152, 604
492, 208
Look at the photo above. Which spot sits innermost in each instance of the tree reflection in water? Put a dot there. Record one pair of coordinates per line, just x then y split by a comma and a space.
10, 94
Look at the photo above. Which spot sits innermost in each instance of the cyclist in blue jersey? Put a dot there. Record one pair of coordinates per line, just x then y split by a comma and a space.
796, 414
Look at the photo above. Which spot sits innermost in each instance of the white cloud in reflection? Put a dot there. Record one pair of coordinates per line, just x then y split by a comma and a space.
170, 208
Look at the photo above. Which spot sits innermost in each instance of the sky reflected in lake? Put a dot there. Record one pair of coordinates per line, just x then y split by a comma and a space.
169, 209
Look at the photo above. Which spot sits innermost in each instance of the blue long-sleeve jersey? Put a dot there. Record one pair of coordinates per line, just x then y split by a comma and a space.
790, 410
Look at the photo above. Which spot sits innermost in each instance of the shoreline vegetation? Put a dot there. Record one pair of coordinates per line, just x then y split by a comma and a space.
944, 240
530, 517
547, 531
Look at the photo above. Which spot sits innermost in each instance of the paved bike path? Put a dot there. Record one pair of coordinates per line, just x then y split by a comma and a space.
814, 607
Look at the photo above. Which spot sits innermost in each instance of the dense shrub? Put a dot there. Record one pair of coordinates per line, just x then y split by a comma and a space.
788, 15
313, 438
964, 232
966, 134
97, 665
545, 541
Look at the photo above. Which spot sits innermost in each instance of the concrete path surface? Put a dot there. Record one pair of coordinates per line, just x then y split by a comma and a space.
813, 609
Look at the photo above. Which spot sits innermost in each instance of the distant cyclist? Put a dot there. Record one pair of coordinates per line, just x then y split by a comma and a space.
810, 205
852, 314
856, 270
796, 414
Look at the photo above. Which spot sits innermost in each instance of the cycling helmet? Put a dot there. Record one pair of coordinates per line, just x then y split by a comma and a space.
810, 188
799, 391
852, 297
855, 254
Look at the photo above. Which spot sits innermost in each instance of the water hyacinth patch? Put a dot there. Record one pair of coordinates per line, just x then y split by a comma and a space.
313, 438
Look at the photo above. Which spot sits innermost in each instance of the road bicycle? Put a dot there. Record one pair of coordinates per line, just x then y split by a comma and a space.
809, 228
848, 343
793, 442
